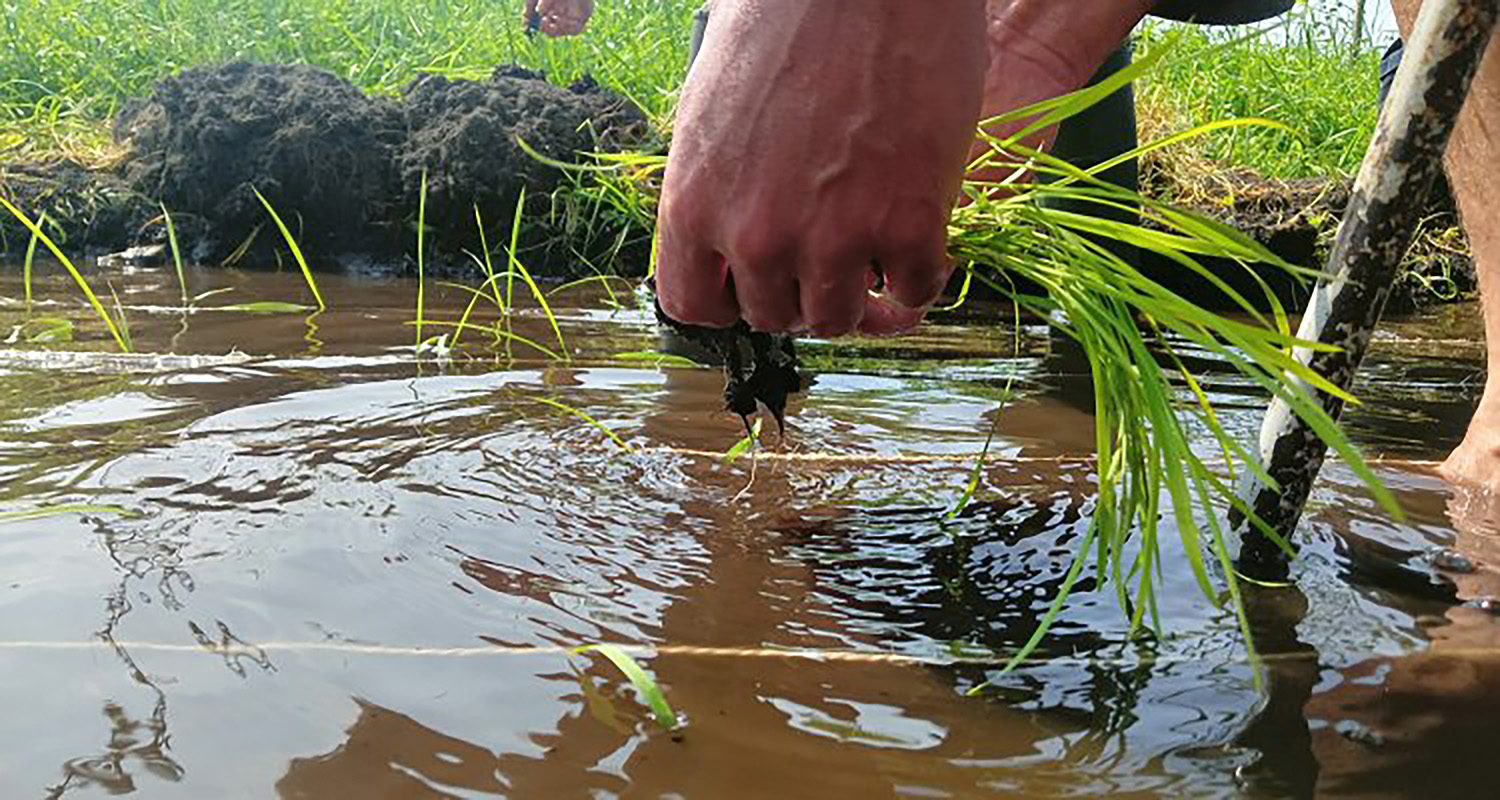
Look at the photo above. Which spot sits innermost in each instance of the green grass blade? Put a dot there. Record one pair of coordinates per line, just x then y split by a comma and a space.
644, 684
292, 245
121, 338
176, 253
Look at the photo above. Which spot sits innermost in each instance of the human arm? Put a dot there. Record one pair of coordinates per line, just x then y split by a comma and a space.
820, 143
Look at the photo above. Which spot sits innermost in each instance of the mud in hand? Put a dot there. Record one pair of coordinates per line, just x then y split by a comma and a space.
759, 368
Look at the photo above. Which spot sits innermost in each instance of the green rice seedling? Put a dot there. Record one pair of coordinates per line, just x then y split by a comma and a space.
291, 243
176, 253
44, 512
46, 330
584, 415
645, 686
499, 332
267, 307
120, 314
421, 256
26, 266
488, 266
516, 268
1089, 294
660, 360
745, 445
36, 231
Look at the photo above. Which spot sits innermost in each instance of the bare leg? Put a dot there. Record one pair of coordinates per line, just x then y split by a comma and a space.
1473, 161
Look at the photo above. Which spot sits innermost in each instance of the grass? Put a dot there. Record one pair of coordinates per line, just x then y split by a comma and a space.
68, 65
1303, 73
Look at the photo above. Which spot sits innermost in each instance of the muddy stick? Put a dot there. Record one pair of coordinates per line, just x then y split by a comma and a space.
1403, 160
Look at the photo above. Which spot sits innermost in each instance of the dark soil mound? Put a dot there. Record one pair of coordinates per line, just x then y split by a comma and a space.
1298, 220
344, 170
79, 207
320, 151
1294, 219
463, 137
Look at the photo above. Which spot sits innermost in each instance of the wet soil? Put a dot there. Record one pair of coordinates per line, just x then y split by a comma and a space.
344, 169
1298, 220
325, 568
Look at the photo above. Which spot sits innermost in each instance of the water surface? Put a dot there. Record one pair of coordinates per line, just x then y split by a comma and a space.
349, 572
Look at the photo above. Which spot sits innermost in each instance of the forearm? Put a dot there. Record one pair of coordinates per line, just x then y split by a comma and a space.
1063, 40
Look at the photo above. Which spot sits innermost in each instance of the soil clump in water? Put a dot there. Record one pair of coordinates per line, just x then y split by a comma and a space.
343, 169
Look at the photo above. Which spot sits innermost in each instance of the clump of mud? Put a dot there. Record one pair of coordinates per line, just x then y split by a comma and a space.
343, 169
463, 136
76, 206
321, 152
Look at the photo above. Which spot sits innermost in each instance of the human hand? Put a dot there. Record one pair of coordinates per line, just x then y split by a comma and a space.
818, 150
559, 17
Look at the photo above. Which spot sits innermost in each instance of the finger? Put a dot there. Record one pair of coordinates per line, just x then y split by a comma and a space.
692, 279
883, 317
766, 287
834, 296
914, 260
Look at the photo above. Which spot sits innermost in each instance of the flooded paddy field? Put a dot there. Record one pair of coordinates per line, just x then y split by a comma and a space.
307, 563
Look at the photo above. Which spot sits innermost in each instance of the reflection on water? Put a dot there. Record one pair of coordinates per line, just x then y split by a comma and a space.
346, 573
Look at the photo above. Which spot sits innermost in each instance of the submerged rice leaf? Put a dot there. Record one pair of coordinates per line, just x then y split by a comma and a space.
644, 684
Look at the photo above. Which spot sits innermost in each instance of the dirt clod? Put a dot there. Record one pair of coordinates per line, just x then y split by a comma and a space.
343, 169
317, 148
463, 135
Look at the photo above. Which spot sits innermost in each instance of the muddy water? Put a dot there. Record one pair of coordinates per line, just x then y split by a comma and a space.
338, 571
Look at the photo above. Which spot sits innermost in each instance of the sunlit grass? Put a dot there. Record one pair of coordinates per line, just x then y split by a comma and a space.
1304, 73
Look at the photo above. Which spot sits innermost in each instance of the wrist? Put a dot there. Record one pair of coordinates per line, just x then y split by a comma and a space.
1063, 41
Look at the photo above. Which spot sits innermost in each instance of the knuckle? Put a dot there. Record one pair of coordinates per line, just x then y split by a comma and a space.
760, 245
914, 238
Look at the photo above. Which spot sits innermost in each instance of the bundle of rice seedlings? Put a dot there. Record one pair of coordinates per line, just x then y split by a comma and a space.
1008, 235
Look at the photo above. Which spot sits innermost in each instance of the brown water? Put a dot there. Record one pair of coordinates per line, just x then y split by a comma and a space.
350, 574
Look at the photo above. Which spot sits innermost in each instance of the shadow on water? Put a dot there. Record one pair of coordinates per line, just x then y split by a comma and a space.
351, 573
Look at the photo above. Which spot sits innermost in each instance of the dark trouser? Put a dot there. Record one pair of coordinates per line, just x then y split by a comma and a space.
1099, 133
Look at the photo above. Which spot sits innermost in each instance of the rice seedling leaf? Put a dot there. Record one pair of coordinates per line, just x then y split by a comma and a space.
645, 686
744, 445
583, 415
266, 307
176, 253
660, 359
64, 508
120, 337
291, 243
